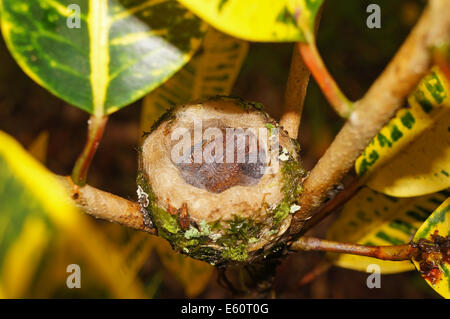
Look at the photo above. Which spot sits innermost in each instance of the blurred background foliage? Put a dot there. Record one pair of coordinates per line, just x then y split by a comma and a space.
355, 56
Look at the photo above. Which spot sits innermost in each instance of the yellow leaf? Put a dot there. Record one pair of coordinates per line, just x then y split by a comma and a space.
371, 218
259, 20
211, 72
193, 274
23, 256
35, 211
135, 246
439, 223
410, 156
38, 148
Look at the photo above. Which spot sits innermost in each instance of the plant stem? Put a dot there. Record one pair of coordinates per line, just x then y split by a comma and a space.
318, 270
96, 127
387, 94
297, 84
332, 92
106, 206
394, 253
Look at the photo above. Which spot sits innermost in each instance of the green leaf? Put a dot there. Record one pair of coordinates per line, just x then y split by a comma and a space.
211, 72
260, 20
38, 216
437, 224
122, 49
371, 218
410, 156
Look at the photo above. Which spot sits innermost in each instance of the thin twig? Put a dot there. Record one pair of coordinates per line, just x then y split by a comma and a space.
394, 253
104, 205
334, 204
96, 127
318, 270
327, 84
385, 96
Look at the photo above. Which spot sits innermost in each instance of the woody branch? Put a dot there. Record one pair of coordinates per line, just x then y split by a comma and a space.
394, 253
386, 95
106, 206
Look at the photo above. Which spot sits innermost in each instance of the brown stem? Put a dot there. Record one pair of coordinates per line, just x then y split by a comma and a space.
385, 96
332, 92
295, 95
106, 206
318, 270
96, 127
333, 205
394, 253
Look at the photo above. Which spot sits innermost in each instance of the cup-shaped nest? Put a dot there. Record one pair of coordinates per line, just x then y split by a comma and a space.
219, 179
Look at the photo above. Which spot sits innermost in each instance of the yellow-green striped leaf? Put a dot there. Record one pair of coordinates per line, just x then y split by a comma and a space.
131, 246
410, 156
211, 72
372, 218
120, 50
36, 217
437, 224
260, 20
